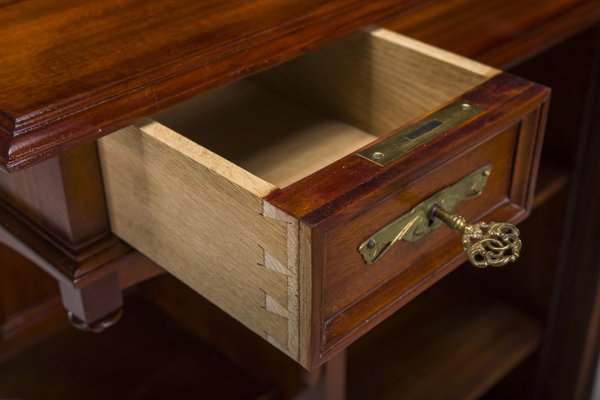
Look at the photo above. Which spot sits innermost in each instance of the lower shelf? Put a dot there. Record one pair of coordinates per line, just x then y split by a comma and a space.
145, 356
445, 344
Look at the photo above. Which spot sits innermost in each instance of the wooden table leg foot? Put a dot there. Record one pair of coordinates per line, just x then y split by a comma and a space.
97, 305
98, 326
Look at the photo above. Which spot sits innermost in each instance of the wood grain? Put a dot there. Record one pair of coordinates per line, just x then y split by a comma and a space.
497, 32
271, 137
376, 80
77, 71
54, 214
556, 39
200, 217
62, 196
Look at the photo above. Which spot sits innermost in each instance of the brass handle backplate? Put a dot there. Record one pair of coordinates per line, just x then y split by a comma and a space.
486, 244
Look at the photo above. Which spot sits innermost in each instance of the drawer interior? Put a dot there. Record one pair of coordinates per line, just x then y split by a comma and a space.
286, 123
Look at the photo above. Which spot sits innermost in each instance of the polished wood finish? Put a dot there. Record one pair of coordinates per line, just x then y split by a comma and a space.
77, 71
497, 32
95, 302
323, 140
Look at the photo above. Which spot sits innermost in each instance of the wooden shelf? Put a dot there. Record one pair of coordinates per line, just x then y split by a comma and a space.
145, 356
442, 345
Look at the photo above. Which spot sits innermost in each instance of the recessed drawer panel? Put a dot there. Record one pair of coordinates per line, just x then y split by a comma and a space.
258, 195
347, 281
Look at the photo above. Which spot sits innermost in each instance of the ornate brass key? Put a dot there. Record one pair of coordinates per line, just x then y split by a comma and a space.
487, 244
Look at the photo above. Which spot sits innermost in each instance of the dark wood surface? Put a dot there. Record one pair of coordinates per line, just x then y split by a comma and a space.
531, 37
146, 356
572, 344
553, 179
30, 306
75, 71
58, 210
497, 32
248, 351
455, 341
242, 347
76, 260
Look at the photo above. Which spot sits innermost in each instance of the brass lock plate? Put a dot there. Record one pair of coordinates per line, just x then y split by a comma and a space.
402, 142
416, 223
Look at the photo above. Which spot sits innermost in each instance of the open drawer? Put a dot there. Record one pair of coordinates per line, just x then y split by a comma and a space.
256, 197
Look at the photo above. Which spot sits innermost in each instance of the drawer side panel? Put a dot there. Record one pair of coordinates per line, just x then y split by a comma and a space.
206, 226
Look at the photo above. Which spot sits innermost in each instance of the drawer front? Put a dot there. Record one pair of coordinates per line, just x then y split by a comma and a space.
347, 278
354, 198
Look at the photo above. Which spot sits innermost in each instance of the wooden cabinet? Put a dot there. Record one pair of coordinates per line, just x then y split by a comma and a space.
254, 181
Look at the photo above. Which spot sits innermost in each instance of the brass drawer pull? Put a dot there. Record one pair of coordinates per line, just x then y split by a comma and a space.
487, 244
